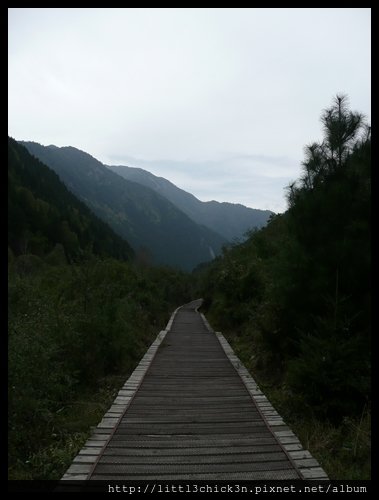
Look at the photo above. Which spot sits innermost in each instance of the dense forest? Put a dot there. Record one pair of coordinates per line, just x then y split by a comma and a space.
293, 300
295, 297
44, 214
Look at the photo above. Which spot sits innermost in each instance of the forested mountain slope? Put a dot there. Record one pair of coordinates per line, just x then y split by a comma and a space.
150, 223
231, 220
42, 213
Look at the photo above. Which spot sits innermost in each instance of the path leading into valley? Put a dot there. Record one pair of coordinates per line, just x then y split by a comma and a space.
191, 411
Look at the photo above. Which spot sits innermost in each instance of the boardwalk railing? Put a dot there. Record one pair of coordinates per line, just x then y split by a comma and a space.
191, 411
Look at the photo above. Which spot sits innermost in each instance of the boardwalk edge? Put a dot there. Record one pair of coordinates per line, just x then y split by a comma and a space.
85, 461
307, 466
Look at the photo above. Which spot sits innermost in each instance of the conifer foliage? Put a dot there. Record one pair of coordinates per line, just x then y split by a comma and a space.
301, 286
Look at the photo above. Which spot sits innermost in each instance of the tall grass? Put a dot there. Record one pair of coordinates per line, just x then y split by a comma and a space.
75, 334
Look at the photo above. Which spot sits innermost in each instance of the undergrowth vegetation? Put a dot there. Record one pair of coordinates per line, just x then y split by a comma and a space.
71, 329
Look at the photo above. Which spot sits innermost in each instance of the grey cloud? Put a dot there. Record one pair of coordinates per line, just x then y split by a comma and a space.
221, 93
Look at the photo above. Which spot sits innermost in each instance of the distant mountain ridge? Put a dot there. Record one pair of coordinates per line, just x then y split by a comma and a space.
230, 220
148, 221
43, 213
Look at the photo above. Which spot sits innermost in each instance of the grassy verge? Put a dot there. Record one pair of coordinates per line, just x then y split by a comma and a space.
69, 429
344, 450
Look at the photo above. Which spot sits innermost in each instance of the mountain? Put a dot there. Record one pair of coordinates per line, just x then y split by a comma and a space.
149, 222
230, 220
42, 213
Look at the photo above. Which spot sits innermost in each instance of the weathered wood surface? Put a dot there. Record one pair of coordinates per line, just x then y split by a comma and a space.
191, 410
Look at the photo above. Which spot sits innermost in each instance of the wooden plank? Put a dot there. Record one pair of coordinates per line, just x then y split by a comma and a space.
90, 450
315, 473
286, 433
160, 442
300, 454
289, 440
307, 463
186, 430
230, 458
227, 476
186, 451
79, 468
189, 468
84, 459
74, 477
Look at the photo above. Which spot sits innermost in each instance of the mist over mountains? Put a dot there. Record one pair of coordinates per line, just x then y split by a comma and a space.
230, 220
164, 224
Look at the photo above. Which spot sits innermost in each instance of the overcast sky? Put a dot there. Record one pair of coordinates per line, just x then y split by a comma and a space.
219, 101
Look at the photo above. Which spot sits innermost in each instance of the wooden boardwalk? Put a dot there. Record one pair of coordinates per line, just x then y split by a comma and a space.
191, 411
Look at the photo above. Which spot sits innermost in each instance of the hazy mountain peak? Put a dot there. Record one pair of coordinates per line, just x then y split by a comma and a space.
231, 220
